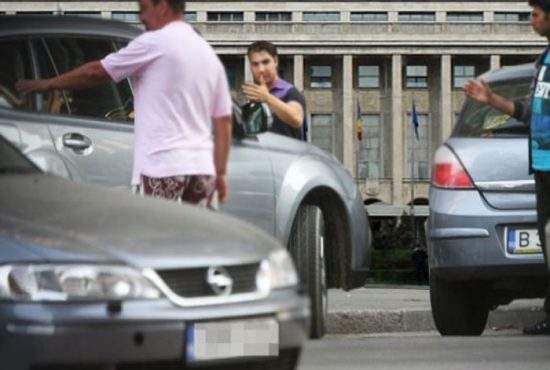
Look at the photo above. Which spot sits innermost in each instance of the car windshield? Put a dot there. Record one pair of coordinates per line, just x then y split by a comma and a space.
480, 120
12, 161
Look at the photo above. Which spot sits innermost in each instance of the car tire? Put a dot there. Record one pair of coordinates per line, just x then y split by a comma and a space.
456, 308
307, 248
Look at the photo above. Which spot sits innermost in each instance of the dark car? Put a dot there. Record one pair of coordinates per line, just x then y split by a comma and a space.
293, 190
92, 278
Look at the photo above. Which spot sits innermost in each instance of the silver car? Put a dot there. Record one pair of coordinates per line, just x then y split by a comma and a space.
294, 191
94, 278
484, 249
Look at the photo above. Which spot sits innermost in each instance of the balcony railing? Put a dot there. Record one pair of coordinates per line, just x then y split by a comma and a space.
383, 31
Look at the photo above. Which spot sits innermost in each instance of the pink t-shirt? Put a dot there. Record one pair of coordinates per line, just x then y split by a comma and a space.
179, 85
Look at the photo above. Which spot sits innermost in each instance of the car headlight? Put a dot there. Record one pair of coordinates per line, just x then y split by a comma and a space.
43, 282
277, 271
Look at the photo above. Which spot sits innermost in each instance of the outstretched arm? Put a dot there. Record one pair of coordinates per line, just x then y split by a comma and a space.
88, 75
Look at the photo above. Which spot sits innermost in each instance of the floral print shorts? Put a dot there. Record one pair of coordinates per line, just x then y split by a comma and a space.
195, 189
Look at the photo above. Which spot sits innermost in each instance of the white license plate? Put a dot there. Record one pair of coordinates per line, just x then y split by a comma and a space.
232, 339
523, 241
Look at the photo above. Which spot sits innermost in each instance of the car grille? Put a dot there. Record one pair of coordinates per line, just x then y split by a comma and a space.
191, 283
287, 360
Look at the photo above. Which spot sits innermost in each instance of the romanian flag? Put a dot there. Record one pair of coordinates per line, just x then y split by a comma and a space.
359, 123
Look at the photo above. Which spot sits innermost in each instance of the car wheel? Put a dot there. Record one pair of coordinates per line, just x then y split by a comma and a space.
307, 248
456, 308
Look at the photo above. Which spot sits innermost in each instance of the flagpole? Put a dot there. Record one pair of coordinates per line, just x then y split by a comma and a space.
413, 137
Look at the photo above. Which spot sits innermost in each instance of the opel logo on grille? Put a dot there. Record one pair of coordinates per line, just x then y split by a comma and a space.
219, 280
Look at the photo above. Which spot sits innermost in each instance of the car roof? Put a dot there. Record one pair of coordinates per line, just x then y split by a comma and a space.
522, 71
17, 25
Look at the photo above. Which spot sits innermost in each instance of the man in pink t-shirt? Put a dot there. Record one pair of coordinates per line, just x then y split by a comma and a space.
180, 88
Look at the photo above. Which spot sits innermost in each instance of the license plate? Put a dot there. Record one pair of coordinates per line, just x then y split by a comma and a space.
523, 241
218, 340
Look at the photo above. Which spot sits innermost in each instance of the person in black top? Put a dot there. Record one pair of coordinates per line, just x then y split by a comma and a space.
287, 104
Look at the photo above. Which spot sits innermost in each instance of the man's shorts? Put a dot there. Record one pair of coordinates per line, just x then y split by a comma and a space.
195, 189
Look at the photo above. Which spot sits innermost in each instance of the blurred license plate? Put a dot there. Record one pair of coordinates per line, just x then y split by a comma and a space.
231, 339
523, 241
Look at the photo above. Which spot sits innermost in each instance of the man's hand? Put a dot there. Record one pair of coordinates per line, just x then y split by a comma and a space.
478, 90
30, 86
222, 188
257, 93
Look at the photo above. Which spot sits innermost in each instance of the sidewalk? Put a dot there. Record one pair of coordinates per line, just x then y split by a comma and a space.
385, 308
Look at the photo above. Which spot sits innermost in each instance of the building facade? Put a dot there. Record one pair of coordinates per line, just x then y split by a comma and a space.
360, 63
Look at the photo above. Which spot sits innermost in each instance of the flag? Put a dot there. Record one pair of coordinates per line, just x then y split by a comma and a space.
359, 123
415, 121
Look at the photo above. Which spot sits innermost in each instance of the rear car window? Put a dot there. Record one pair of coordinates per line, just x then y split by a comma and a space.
15, 65
480, 120
12, 161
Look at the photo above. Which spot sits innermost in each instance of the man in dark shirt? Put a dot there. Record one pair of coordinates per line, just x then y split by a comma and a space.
534, 111
285, 101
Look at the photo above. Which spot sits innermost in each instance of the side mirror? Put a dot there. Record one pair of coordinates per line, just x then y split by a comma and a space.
256, 118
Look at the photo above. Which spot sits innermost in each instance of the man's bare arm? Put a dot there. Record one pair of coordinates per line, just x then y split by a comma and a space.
222, 144
480, 91
88, 75
290, 113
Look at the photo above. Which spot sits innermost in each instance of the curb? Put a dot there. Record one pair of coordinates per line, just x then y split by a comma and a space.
388, 321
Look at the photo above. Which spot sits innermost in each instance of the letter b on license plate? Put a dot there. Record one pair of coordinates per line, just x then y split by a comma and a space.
523, 241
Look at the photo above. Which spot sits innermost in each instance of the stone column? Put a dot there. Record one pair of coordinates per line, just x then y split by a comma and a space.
299, 72
297, 16
393, 17
495, 62
201, 17
106, 15
445, 99
345, 16
348, 155
249, 17
397, 129
488, 17
247, 72
441, 17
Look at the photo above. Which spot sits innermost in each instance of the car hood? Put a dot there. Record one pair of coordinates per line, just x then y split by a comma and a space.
48, 218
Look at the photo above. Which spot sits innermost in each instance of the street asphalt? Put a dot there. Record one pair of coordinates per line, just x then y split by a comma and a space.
386, 309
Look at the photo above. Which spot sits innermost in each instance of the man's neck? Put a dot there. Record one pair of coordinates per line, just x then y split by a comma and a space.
171, 19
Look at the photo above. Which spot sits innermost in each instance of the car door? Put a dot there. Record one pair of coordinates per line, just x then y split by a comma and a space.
92, 129
19, 122
251, 183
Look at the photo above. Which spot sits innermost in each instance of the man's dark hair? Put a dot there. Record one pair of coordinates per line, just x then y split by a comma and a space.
178, 6
543, 4
266, 46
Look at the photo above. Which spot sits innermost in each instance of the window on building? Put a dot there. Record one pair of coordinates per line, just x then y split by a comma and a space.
190, 16
321, 17
85, 14
131, 17
321, 77
461, 74
273, 16
416, 77
322, 131
231, 72
421, 170
38, 13
369, 17
512, 17
370, 148
224, 16
368, 77
416, 17
464, 17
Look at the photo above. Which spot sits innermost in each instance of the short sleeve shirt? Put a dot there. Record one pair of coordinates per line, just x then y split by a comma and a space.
179, 86
287, 93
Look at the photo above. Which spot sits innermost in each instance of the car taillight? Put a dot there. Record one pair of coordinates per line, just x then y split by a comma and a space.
448, 172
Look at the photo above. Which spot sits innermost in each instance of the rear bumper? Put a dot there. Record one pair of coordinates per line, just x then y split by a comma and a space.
62, 334
466, 238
